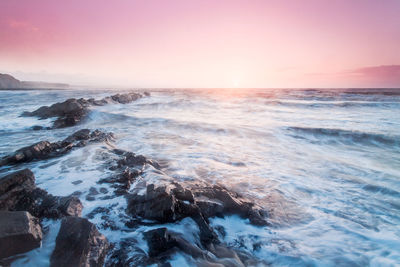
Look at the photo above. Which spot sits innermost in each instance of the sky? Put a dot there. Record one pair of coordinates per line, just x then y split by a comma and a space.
203, 43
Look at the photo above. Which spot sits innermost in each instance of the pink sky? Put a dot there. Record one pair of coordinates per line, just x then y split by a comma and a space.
204, 43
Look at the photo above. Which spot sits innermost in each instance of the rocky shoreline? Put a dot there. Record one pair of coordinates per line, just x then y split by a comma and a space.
72, 111
157, 199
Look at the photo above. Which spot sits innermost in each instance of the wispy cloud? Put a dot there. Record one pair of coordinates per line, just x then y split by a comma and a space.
384, 71
22, 26
371, 76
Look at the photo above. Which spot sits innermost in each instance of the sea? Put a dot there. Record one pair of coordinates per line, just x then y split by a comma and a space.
325, 163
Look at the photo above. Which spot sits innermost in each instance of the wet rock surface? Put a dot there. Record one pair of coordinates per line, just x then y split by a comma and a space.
162, 242
79, 243
72, 111
127, 167
19, 232
167, 202
46, 150
18, 192
172, 202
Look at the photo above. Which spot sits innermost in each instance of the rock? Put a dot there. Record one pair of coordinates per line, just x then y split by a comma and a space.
169, 203
159, 241
68, 113
42, 204
40, 150
18, 192
174, 202
46, 150
132, 160
79, 243
72, 111
216, 200
128, 167
126, 98
38, 128
13, 186
19, 232
157, 204
162, 205
162, 242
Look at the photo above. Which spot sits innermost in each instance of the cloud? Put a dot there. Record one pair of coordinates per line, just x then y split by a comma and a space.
385, 71
371, 76
22, 26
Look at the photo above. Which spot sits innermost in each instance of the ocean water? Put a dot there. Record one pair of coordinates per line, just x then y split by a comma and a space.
325, 163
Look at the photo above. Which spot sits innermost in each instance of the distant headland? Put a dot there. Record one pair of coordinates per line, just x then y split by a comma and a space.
9, 82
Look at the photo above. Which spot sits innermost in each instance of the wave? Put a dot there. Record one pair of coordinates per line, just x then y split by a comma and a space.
105, 118
349, 136
333, 104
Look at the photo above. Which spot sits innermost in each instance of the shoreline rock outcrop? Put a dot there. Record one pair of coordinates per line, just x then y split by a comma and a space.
72, 111
79, 243
46, 150
19, 232
18, 192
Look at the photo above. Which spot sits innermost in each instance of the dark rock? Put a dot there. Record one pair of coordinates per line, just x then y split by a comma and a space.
132, 160
159, 241
157, 204
18, 192
19, 232
175, 202
46, 150
128, 167
79, 243
127, 253
42, 204
160, 204
72, 111
37, 127
38, 151
217, 200
170, 203
68, 113
103, 190
14, 186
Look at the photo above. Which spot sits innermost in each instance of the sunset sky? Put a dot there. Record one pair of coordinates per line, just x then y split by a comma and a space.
204, 43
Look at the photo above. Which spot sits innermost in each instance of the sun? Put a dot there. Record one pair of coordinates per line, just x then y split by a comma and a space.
236, 83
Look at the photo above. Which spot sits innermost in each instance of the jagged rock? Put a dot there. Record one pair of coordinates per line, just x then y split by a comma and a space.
126, 98
157, 204
162, 241
46, 150
42, 204
128, 167
72, 111
174, 202
169, 203
162, 205
79, 243
19, 232
18, 192
218, 201
159, 241
13, 186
